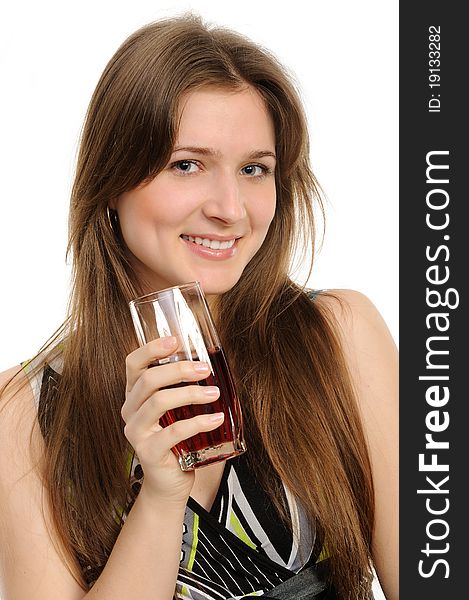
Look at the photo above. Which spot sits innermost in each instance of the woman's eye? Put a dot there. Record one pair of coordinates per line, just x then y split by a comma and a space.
255, 170
185, 166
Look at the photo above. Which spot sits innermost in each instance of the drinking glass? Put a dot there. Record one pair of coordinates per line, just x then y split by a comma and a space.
182, 311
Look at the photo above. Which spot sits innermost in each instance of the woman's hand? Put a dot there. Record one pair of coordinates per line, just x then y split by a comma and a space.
146, 402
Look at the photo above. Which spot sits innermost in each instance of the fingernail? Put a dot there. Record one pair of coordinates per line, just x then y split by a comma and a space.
211, 390
200, 367
216, 417
168, 342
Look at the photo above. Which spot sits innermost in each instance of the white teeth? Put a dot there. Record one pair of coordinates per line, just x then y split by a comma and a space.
213, 244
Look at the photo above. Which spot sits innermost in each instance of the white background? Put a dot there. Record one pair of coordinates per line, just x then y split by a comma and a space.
345, 58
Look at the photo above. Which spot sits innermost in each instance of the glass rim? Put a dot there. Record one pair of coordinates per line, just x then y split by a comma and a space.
157, 293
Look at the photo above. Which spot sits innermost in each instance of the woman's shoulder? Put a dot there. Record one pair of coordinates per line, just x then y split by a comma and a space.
368, 346
354, 312
339, 297
17, 408
9, 374
18, 416
15, 389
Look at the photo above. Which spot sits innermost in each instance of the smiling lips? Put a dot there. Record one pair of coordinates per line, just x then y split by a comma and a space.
209, 247
210, 243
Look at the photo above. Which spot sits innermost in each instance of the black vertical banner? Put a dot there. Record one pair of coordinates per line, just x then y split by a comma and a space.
434, 254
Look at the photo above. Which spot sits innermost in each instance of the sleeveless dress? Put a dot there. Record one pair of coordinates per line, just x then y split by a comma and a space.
240, 547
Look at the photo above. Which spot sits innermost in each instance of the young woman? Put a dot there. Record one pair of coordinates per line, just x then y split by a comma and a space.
193, 165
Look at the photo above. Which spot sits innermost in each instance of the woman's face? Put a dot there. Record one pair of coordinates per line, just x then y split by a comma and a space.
206, 214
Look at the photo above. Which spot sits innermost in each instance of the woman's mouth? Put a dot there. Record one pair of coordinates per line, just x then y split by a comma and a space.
209, 248
210, 243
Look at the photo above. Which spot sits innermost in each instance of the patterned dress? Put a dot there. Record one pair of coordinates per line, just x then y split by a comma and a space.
240, 547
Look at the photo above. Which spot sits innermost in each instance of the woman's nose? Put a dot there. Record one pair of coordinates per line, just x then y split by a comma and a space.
225, 201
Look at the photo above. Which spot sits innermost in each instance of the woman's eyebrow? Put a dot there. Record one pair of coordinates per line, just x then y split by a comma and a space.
212, 152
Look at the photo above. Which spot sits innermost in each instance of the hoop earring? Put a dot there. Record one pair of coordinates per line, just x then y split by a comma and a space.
112, 219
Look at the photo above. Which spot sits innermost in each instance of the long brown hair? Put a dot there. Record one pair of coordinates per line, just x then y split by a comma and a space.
301, 411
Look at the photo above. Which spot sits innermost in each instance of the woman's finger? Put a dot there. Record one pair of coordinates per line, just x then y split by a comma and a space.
138, 361
162, 376
183, 430
147, 417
